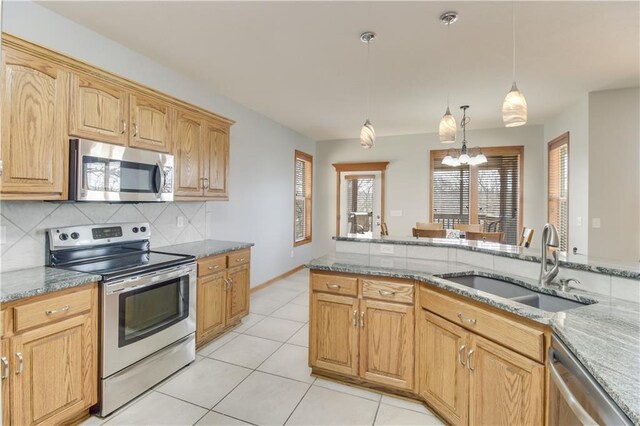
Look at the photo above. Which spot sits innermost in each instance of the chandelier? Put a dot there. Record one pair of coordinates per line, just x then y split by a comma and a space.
464, 156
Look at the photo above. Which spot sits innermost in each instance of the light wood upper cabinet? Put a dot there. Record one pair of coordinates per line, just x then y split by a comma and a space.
333, 331
238, 293
99, 110
216, 161
443, 379
386, 343
34, 142
150, 121
506, 388
211, 305
188, 141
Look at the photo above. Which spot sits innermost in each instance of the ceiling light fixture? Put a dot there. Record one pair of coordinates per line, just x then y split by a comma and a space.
514, 107
367, 133
447, 129
464, 157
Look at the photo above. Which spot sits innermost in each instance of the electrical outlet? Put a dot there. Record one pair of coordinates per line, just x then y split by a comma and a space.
595, 222
386, 249
396, 213
180, 221
292, 254
579, 221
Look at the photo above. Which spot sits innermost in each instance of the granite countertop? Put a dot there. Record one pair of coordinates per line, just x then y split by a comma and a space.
204, 248
604, 336
23, 283
573, 261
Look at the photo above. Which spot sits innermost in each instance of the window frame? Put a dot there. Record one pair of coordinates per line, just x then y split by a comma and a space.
439, 154
308, 199
555, 143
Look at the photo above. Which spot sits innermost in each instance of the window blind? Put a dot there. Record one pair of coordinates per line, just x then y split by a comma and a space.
450, 186
360, 199
302, 197
558, 202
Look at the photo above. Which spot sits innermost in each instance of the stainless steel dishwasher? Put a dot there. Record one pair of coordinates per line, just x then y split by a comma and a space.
575, 398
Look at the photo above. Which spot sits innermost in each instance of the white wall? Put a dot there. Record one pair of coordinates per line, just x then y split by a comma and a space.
408, 180
260, 209
575, 120
614, 173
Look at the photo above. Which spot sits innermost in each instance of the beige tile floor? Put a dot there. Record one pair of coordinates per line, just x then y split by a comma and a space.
258, 374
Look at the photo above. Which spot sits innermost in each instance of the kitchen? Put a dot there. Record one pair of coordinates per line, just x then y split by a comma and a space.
218, 176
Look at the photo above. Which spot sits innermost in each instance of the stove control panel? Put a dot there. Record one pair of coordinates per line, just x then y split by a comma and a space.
92, 235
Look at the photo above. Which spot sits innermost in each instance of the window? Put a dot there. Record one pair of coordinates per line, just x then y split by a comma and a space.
489, 194
302, 198
558, 190
360, 200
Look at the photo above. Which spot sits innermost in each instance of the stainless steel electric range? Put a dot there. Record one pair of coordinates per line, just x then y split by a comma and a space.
147, 304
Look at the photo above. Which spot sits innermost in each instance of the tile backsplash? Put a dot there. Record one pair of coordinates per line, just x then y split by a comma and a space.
23, 224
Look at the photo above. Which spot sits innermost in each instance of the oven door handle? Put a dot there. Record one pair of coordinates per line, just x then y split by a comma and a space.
159, 179
125, 286
568, 396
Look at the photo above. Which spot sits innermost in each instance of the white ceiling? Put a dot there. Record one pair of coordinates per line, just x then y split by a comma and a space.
302, 63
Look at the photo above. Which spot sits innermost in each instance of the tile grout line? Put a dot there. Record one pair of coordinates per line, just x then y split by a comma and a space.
377, 411
297, 405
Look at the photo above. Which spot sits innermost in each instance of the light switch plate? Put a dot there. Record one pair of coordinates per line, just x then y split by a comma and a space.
396, 213
579, 221
180, 221
595, 222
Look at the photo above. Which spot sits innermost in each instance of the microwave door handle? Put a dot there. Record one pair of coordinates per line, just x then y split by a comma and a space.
568, 396
159, 178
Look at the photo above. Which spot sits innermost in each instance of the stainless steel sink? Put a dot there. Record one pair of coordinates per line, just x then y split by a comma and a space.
517, 293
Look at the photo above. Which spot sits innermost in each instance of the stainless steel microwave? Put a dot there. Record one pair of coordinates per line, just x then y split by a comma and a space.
104, 172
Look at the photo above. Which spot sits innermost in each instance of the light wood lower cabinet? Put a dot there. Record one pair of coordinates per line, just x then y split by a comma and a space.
222, 294
51, 372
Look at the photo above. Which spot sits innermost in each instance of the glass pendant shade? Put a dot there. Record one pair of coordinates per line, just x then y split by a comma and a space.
447, 160
367, 135
455, 162
514, 108
481, 158
448, 128
464, 158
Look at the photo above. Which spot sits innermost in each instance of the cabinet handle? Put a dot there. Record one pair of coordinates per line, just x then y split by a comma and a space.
135, 129
20, 362
242, 259
124, 127
362, 319
207, 185
386, 293
333, 286
460, 351
213, 267
468, 320
469, 360
355, 318
65, 308
230, 282
201, 183
5, 367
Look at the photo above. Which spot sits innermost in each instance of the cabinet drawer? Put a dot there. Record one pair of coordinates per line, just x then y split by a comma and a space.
335, 284
387, 290
239, 258
508, 332
51, 309
211, 265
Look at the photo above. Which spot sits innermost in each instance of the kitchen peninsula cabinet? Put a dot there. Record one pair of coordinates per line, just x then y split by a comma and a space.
50, 342
222, 293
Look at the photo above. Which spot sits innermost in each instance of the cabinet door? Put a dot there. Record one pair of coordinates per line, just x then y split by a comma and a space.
98, 110
57, 380
149, 123
443, 379
238, 293
34, 141
211, 307
387, 343
216, 162
505, 387
188, 145
5, 350
333, 333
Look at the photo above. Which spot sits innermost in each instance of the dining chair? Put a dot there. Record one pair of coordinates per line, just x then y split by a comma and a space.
527, 236
383, 229
429, 233
466, 227
429, 226
495, 237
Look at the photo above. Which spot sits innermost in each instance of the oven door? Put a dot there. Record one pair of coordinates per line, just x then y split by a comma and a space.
144, 314
105, 172
575, 398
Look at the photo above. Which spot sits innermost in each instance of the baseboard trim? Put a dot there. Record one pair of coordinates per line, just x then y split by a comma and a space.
278, 278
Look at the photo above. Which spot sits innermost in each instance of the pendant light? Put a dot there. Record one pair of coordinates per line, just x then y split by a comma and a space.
447, 129
514, 107
465, 156
367, 133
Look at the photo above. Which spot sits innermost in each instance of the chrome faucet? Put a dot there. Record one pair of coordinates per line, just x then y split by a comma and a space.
549, 239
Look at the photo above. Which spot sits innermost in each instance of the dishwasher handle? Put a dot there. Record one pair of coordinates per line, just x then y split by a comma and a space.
568, 396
